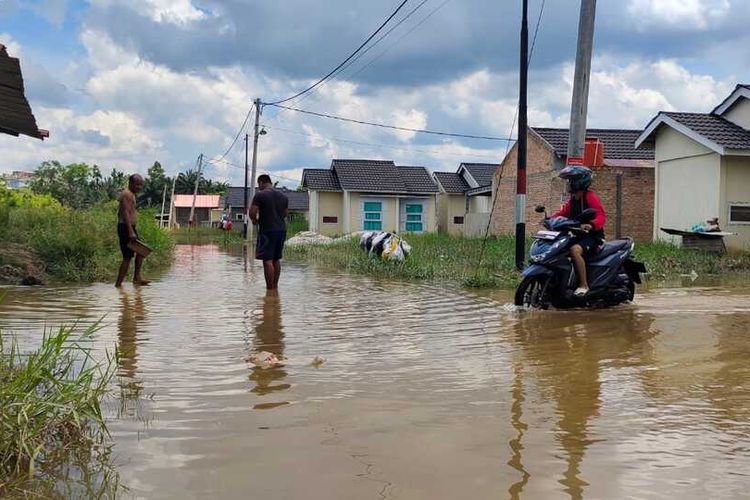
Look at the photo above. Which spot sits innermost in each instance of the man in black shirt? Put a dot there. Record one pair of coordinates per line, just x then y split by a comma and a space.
268, 211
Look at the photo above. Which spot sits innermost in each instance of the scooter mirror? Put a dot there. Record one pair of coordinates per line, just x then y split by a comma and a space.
539, 209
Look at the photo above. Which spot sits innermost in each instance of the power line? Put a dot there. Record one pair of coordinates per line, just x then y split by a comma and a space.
239, 132
374, 145
393, 127
372, 46
308, 89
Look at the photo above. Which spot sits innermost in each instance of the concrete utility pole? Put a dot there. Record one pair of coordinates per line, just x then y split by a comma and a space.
521, 150
171, 202
163, 202
255, 163
579, 105
195, 190
245, 221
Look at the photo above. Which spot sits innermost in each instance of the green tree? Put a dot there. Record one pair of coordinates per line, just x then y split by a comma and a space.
70, 184
156, 181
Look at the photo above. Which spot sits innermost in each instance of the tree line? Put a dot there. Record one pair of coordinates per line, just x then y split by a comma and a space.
79, 185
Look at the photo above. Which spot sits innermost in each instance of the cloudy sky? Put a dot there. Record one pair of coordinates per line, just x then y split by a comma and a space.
122, 83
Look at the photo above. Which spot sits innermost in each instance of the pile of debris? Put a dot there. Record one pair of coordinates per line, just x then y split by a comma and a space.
387, 246
26, 269
309, 238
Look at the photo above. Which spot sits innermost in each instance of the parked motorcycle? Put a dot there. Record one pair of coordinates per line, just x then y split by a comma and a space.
550, 278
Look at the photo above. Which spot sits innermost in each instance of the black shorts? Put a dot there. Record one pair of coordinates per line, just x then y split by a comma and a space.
270, 245
124, 237
590, 244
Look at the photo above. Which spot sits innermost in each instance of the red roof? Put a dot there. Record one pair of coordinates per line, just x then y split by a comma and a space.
201, 201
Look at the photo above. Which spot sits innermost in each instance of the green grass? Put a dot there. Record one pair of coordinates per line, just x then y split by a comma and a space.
54, 440
206, 235
77, 245
451, 259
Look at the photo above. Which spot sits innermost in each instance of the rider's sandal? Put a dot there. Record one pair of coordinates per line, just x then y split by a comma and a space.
580, 291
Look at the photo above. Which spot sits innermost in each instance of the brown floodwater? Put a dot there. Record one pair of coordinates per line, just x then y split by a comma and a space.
426, 392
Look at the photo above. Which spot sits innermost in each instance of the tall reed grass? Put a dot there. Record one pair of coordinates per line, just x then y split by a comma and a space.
54, 440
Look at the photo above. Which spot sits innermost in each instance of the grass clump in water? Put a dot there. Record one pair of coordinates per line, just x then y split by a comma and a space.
54, 440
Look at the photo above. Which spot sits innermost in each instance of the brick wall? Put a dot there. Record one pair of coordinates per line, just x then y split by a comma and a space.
543, 187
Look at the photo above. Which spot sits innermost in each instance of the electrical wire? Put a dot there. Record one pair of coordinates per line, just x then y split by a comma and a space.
374, 145
308, 89
239, 132
507, 148
393, 127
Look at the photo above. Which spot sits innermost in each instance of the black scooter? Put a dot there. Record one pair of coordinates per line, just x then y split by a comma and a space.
550, 278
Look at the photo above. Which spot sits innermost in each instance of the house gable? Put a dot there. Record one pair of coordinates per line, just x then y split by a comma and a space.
671, 144
739, 112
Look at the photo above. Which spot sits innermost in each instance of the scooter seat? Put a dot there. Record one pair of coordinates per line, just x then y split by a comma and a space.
611, 247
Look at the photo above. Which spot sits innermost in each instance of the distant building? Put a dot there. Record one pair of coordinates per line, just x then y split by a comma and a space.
465, 198
205, 208
234, 203
703, 168
18, 179
370, 195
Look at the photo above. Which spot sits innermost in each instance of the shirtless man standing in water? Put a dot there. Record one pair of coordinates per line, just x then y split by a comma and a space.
126, 218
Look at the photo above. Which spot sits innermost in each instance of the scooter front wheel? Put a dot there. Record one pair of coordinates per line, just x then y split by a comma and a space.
533, 292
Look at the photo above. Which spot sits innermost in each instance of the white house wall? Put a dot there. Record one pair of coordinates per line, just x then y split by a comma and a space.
329, 204
687, 183
736, 181
740, 113
451, 206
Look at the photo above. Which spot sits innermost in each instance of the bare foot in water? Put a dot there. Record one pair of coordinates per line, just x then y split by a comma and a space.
141, 283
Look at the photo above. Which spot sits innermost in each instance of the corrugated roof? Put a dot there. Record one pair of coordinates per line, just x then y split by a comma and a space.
451, 182
714, 128
618, 143
482, 172
15, 113
417, 180
320, 179
201, 201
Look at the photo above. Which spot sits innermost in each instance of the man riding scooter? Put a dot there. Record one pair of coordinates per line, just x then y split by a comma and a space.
579, 180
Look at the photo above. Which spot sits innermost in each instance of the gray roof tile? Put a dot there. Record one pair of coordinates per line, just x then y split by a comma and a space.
482, 172
320, 179
417, 180
369, 175
15, 113
714, 128
298, 200
452, 182
618, 143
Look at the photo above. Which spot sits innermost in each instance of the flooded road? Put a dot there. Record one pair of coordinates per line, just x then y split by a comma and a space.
425, 393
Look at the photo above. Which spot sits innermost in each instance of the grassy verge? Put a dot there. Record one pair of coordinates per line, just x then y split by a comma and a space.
54, 442
211, 235
439, 257
74, 245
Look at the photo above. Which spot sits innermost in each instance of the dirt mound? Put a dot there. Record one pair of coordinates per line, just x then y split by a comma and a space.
20, 265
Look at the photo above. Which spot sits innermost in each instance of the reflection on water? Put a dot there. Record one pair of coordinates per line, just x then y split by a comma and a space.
269, 337
427, 392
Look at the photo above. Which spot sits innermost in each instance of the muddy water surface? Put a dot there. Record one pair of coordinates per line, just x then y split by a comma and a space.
426, 392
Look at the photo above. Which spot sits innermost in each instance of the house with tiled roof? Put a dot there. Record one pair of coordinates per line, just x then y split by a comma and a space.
703, 167
234, 203
370, 195
623, 179
464, 199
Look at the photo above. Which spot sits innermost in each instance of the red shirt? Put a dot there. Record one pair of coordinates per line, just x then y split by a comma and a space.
591, 201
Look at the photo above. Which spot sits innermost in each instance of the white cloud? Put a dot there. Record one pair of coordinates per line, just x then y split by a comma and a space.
54, 11
412, 118
180, 12
679, 14
14, 48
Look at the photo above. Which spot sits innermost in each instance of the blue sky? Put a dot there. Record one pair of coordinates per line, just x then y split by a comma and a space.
122, 83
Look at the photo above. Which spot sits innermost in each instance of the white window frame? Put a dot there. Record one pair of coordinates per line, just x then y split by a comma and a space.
729, 213
364, 213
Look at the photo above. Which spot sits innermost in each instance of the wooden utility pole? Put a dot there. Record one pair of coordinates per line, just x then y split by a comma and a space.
255, 163
163, 201
579, 104
195, 190
521, 150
